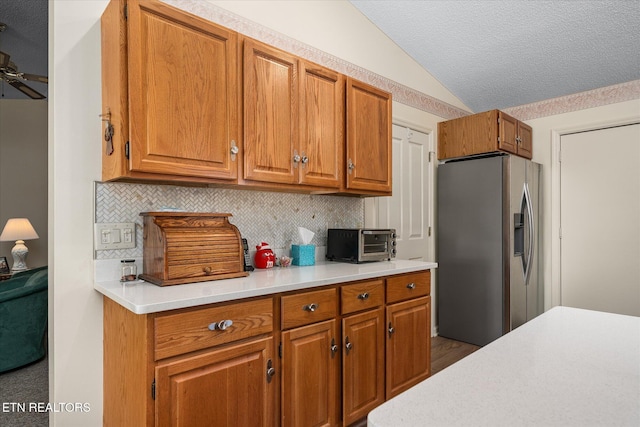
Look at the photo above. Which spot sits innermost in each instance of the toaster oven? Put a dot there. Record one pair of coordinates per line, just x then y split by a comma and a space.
358, 245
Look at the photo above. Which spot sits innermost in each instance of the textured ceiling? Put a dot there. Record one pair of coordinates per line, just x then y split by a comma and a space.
506, 53
26, 41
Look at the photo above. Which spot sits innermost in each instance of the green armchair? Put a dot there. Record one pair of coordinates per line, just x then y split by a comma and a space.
23, 318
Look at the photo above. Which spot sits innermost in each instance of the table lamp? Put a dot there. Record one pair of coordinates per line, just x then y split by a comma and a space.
18, 230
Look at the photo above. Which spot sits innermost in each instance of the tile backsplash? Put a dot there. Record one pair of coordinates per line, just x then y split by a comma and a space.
259, 215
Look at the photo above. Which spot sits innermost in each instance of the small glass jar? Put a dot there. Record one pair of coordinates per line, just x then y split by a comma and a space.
129, 270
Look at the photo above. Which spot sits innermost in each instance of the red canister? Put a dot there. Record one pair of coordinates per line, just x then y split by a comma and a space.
265, 258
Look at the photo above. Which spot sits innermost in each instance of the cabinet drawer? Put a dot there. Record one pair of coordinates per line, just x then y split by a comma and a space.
362, 296
202, 328
408, 286
308, 307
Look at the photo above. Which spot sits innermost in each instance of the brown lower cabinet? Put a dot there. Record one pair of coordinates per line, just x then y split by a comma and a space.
322, 357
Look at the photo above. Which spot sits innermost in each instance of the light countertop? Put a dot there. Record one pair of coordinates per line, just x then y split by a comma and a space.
567, 367
142, 297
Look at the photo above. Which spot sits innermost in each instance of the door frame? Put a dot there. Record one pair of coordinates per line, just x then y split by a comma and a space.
554, 297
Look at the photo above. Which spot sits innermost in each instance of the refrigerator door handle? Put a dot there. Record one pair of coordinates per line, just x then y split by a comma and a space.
529, 206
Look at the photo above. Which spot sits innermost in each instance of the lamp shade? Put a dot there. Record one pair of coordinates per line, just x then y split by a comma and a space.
18, 229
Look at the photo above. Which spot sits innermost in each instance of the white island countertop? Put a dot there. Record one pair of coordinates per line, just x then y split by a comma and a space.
143, 297
567, 367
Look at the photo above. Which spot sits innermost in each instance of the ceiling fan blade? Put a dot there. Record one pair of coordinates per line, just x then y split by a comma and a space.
4, 59
35, 77
26, 89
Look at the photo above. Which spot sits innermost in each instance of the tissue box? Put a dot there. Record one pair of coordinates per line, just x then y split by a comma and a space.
303, 254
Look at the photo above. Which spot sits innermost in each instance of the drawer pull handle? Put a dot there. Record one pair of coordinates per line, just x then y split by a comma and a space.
411, 286
221, 325
364, 296
310, 307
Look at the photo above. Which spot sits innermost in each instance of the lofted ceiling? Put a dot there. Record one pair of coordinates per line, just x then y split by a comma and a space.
506, 53
488, 53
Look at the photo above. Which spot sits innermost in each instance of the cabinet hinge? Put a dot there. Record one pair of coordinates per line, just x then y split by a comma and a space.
153, 389
126, 149
280, 350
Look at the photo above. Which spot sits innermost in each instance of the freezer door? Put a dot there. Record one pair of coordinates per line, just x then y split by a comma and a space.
471, 271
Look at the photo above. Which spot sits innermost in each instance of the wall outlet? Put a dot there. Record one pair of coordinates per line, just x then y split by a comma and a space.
114, 235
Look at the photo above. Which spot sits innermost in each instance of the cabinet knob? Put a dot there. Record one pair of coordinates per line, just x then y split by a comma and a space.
334, 347
311, 307
234, 150
411, 286
363, 296
304, 160
350, 165
391, 330
271, 372
348, 345
221, 325
207, 271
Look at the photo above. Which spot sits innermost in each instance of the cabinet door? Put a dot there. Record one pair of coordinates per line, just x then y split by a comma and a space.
408, 344
525, 140
270, 113
507, 133
310, 364
363, 364
225, 387
183, 93
368, 138
321, 126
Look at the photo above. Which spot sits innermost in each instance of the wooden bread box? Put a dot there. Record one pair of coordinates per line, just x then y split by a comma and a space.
187, 247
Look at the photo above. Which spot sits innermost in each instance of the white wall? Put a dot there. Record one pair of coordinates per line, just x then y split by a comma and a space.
75, 309
23, 172
546, 138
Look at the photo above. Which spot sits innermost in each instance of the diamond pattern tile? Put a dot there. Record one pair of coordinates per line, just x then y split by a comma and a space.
260, 216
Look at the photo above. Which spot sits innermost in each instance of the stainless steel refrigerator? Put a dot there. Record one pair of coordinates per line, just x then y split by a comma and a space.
489, 277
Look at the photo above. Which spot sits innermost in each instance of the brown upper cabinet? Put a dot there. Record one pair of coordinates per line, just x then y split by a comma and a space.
484, 133
293, 119
174, 109
187, 100
368, 138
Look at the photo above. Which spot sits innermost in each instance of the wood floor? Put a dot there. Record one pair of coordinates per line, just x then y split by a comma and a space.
446, 352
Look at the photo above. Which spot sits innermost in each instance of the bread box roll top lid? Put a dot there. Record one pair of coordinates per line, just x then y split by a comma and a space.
185, 247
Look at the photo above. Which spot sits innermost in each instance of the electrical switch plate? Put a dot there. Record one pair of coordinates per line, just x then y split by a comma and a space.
114, 235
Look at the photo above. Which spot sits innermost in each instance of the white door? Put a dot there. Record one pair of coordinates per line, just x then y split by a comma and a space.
600, 220
409, 210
